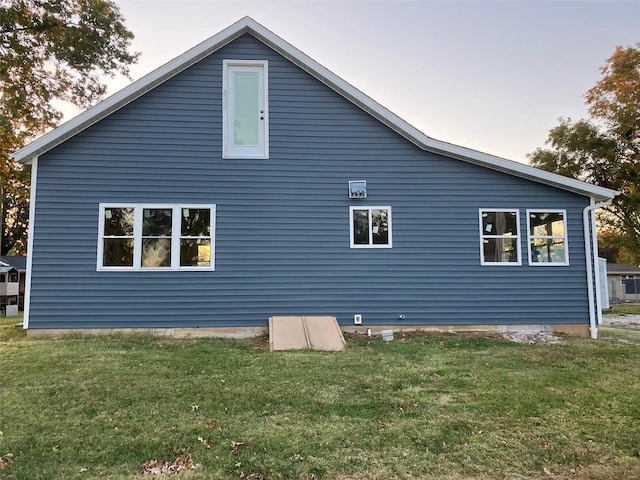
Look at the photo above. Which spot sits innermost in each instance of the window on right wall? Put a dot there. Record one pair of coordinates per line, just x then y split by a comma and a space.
370, 227
547, 237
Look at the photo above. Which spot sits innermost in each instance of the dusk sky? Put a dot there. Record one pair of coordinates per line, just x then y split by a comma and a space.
492, 76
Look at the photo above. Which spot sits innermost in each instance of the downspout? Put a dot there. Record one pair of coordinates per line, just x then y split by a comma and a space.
589, 246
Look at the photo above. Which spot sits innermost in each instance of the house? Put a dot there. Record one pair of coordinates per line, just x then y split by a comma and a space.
19, 262
623, 281
244, 180
8, 290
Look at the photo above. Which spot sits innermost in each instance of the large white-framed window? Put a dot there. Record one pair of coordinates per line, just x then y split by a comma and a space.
145, 237
370, 227
547, 237
500, 237
245, 112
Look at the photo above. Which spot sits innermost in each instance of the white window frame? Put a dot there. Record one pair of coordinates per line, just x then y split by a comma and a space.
176, 236
370, 244
516, 237
229, 150
531, 237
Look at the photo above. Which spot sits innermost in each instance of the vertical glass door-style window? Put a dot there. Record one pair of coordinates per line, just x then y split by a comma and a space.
245, 110
117, 240
370, 227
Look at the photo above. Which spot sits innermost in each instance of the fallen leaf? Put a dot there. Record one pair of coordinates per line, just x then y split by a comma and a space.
206, 442
212, 425
6, 461
236, 445
549, 472
180, 464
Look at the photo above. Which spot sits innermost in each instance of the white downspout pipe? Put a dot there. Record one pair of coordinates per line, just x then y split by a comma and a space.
589, 246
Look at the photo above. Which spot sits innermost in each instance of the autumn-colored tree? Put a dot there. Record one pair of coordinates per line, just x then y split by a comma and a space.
50, 51
605, 149
614, 247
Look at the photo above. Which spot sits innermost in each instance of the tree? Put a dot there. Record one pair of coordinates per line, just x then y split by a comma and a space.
605, 149
614, 247
50, 51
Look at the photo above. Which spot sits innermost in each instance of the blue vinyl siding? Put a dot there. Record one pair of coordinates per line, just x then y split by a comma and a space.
282, 230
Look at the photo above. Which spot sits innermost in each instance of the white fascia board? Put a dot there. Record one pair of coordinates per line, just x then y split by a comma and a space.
351, 93
416, 136
131, 92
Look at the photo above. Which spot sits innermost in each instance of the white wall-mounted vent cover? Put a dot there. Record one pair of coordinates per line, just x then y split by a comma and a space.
358, 189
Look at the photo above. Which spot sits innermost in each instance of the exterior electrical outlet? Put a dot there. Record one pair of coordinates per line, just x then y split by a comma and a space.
357, 319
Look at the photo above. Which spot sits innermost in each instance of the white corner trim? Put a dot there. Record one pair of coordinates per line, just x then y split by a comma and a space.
30, 240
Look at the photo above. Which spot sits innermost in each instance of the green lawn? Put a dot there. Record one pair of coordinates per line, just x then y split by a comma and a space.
8, 330
623, 309
431, 406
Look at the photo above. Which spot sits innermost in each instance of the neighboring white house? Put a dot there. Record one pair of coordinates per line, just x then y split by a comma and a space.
623, 281
8, 290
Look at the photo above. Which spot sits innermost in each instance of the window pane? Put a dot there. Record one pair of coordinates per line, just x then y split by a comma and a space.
156, 222
380, 227
245, 108
499, 223
117, 252
361, 227
118, 222
195, 253
500, 250
196, 222
547, 224
546, 250
156, 252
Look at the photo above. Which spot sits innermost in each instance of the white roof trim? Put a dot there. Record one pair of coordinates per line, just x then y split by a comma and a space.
248, 25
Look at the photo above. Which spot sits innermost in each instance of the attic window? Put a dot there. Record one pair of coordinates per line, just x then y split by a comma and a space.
245, 121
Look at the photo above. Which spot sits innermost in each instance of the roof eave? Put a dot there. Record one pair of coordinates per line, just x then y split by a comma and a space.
248, 25
416, 136
133, 91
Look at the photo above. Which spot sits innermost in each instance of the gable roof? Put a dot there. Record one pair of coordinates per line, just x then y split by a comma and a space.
7, 269
17, 261
248, 25
622, 268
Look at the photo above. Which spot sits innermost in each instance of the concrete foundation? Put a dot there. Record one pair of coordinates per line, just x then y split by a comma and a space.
249, 332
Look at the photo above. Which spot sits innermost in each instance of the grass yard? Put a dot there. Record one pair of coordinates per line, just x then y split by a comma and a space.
623, 309
427, 407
